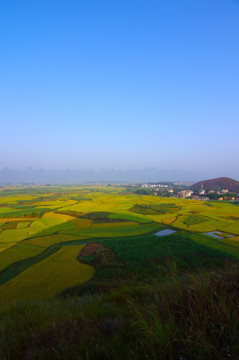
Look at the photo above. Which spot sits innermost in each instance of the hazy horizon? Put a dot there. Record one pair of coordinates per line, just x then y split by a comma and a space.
120, 85
70, 176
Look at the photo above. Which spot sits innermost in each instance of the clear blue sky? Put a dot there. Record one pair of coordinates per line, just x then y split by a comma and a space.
120, 84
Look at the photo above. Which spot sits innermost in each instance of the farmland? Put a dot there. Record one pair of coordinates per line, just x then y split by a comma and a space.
36, 220
48, 277
81, 247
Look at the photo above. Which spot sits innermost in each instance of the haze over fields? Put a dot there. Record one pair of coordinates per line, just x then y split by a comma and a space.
119, 85
68, 176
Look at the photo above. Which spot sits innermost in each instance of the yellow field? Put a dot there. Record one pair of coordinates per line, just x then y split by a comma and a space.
46, 241
23, 224
53, 215
5, 246
47, 221
231, 241
18, 252
56, 203
4, 220
82, 223
114, 225
49, 277
16, 198
116, 230
168, 220
236, 239
219, 216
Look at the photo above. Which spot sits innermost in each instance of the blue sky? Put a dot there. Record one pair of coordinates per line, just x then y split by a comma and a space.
120, 84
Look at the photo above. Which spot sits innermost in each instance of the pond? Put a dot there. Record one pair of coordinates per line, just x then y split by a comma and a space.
213, 234
165, 232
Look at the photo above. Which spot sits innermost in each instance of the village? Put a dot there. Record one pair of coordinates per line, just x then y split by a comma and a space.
183, 190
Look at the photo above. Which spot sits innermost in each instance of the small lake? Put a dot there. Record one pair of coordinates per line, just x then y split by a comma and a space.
213, 234
165, 232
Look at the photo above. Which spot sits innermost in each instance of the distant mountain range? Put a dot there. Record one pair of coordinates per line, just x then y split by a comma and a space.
218, 184
68, 176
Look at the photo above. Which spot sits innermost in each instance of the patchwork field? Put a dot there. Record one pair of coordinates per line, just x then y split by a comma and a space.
49, 277
43, 230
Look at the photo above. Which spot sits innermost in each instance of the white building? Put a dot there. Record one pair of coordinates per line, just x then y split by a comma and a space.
202, 191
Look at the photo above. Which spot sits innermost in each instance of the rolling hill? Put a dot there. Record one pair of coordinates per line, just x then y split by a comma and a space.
218, 184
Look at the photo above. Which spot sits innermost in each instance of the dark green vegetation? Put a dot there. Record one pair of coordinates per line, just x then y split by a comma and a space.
80, 198
178, 247
25, 211
148, 259
193, 220
69, 212
9, 225
155, 209
192, 316
101, 218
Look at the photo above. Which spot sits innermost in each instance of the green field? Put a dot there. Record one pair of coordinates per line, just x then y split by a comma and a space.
36, 223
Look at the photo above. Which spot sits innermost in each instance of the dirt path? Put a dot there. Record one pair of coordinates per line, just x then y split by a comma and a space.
90, 249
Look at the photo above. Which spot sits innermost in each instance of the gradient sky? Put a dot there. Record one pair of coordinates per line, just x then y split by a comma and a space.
120, 84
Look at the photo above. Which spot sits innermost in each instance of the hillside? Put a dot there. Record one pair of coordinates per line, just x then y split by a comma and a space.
98, 273
218, 184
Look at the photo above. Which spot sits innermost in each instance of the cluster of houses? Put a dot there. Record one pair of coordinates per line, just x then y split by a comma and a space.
205, 195
183, 194
182, 191
154, 186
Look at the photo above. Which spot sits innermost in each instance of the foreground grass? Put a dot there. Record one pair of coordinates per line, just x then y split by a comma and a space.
192, 316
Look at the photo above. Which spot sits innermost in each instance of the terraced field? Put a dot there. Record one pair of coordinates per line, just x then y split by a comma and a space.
43, 230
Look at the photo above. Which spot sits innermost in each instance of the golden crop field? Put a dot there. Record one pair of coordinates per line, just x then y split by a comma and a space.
49, 277
35, 229
48, 240
18, 252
